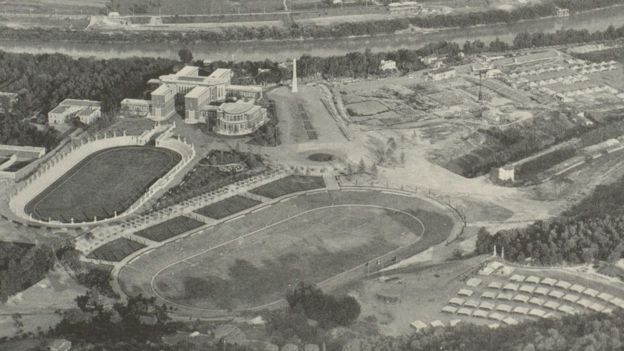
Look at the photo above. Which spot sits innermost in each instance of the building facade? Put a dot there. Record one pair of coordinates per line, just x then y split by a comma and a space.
163, 103
86, 111
239, 118
135, 108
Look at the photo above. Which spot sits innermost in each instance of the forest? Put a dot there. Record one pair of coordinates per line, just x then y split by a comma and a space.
42, 81
22, 265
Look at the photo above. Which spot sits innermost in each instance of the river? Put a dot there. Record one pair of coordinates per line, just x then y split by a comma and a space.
283, 50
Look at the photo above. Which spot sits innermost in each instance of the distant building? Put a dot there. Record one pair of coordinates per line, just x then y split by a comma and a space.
163, 103
441, 74
7, 102
492, 73
562, 12
404, 8
86, 111
60, 345
387, 65
245, 91
239, 118
135, 108
506, 173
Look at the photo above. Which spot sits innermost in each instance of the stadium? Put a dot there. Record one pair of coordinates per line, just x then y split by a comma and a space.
253, 246
102, 178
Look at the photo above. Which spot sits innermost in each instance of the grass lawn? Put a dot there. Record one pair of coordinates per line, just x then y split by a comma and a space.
290, 184
107, 181
169, 229
116, 250
227, 207
313, 247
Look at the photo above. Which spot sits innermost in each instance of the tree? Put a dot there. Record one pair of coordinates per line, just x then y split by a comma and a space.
186, 56
361, 166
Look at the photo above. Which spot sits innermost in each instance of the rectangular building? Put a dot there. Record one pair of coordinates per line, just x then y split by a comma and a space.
245, 91
163, 103
86, 111
193, 102
135, 107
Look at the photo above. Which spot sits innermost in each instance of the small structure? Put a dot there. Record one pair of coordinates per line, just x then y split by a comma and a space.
7, 102
59, 345
86, 111
562, 12
387, 65
442, 74
404, 8
135, 108
506, 173
295, 88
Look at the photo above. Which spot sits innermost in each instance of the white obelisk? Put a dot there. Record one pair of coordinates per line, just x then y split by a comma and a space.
295, 89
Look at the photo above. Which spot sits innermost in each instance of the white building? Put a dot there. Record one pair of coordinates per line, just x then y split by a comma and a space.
163, 103
404, 8
135, 107
239, 118
86, 111
387, 65
441, 74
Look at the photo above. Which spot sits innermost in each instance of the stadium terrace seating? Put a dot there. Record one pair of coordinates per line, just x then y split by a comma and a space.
457, 301
505, 296
471, 303
495, 285
504, 308
571, 298
486, 306
520, 310
437, 324
577, 288
549, 281
591, 292
480, 314
491, 295
496, 316
511, 287
556, 294
541, 291
563, 284
418, 325
449, 309
473, 282
527, 289
536, 301
584, 302
567, 309
532, 279
536, 312
552, 305
464, 311
597, 307
517, 278
606, 297
465, 292
521, 298
510, 321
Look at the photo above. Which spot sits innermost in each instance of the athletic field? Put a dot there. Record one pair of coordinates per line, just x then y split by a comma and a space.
106, 181
251, 261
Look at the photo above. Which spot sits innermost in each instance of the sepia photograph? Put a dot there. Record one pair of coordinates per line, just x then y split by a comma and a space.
311, 175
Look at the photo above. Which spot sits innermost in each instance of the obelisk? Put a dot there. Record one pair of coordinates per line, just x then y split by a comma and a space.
295, 89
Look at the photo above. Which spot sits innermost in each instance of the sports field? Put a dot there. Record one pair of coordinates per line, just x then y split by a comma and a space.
106, 181
116, 250
251, 261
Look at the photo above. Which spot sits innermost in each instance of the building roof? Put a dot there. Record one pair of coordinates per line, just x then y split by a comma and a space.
77, 102
197, 92
221, 73
162, 90
188, 71
87, 111
238, 107
135, 102
60, 109
250, 88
